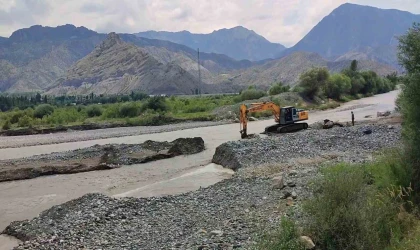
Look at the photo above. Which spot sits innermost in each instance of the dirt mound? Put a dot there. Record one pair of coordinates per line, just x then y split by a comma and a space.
227, 156
187, 146
97, 158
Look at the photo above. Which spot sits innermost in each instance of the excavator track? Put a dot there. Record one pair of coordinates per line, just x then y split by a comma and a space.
290, 128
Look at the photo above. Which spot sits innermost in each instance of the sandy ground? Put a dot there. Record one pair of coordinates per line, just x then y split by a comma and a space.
25, 199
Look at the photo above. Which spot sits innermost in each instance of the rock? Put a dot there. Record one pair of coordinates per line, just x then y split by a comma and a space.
236, 120
294, 195
217, 232
390, 127
291, 184
286, 194
253, 119
307, 242
383, 114
289, 202
278, 182
367, 131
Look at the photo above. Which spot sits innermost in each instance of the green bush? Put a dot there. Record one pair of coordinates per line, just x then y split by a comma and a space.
337, 85
348, 213
286, 238
251, 94
25, 121
409, 100
6, 125
278, 88
129, 110
156, 103
312, 81
15, 116
43, 110
94, 110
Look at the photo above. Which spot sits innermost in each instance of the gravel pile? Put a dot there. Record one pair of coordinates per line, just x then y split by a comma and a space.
350, 143
223, 216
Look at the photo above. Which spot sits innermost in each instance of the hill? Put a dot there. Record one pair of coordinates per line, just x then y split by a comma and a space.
116, 67
289, 68
364, 31
238, 42
37, 56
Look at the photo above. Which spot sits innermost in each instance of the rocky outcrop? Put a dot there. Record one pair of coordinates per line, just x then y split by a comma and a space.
97, 158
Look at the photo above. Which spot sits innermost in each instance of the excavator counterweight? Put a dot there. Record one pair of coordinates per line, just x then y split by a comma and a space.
286, 118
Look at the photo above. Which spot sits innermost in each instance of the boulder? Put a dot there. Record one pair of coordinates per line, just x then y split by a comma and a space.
307, 242
278, 182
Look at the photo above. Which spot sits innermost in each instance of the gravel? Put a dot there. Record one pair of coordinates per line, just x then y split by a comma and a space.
32, 140
230, 214
347, 143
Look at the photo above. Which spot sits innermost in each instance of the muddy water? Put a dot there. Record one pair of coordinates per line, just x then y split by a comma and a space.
25, 199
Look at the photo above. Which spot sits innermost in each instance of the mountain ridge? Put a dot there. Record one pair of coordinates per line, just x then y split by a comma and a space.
237, 42
353, 28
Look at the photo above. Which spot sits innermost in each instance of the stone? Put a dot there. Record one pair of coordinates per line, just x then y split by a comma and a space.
286, 194
291, 184
252, 119
367, 131
294, 195
390, 127
217, 232
278, 182
307, 242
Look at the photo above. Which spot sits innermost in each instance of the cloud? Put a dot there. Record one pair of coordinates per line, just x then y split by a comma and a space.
283, 21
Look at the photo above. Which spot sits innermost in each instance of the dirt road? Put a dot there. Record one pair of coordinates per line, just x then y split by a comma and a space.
25, 199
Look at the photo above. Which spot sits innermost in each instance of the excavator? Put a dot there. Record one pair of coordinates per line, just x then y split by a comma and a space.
285, 117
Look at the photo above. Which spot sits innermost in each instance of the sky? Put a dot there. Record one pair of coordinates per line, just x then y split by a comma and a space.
281, 21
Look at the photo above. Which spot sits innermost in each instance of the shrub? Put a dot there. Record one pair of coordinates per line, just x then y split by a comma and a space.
16, 115
43, 110
278, 88
25, 121
94, 110
129, 110
347, 213
337, 85
312, 81
156, 103
251, 94
6, 125
286, 238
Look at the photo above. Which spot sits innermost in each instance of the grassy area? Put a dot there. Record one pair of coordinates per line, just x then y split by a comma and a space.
358, 207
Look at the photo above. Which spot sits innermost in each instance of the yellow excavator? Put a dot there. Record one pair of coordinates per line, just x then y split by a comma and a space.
285, 117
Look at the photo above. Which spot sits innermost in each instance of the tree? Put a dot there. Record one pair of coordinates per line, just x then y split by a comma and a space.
313, 80
278, 88
409, 100
337, 85
38, 98
353, 66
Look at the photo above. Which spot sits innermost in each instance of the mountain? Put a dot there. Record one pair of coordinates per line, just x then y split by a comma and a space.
116, 67
238, 42
355, 28
34, 58
289, 68
37, 56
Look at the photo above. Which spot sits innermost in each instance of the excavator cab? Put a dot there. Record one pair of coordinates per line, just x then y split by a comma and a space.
289, 115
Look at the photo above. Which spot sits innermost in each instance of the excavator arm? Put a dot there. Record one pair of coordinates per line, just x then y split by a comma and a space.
256, 107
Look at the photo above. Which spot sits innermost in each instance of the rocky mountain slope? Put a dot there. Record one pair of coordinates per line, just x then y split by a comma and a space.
32, 59
289, 68
37, 56
116, 67
238, 42
360, 31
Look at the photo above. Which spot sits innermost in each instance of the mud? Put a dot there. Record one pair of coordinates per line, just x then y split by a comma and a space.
97, 158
